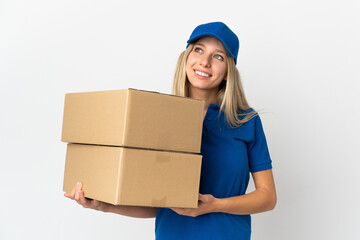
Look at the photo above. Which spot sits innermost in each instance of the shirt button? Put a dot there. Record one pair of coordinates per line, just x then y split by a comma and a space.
209, 118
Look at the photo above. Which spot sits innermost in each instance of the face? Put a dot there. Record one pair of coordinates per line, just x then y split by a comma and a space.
206, 65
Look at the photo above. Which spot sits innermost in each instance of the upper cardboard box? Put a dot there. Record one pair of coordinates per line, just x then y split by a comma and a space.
133, 118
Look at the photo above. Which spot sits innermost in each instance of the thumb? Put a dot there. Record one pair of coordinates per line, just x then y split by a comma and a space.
203, 197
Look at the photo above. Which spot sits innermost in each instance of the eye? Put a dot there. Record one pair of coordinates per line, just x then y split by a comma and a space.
219, 57
198, 50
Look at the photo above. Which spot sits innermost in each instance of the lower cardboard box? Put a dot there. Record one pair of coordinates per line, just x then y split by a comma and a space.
137, 177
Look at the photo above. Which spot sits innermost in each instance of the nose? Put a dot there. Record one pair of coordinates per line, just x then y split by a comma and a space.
205, 61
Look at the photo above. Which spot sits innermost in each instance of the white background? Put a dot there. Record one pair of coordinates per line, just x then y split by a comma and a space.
299, 62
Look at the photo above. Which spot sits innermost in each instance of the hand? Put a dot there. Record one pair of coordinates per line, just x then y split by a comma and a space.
78, 195
207, 204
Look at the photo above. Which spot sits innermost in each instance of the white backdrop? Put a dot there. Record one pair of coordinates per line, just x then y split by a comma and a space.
299, 62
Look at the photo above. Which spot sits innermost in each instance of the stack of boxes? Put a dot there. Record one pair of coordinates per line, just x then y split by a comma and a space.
133, 147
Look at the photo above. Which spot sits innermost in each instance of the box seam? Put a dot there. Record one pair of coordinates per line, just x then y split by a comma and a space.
119, 178
126, 116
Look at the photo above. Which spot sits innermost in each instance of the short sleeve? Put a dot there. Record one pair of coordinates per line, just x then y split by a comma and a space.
258, 152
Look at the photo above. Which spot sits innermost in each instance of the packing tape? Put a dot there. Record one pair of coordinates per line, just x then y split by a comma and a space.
159, 202
162, 157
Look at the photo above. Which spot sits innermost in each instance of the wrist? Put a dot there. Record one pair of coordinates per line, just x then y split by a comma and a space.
218, 203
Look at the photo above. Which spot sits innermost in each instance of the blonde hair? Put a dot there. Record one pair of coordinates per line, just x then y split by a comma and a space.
230, 97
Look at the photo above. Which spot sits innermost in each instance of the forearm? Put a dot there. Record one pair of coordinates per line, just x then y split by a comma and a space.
131, 211
261, 200
255, 202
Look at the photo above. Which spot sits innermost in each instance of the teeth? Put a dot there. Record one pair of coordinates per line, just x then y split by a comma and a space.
202, 74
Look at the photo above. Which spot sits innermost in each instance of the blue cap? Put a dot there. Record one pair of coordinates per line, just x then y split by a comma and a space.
220, 31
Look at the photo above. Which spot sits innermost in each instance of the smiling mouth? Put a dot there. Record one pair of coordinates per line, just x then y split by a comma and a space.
202, 74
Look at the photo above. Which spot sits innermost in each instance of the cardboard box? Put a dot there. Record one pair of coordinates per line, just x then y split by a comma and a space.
138, 177
133, 118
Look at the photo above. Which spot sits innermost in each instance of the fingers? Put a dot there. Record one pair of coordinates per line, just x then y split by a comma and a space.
186, 211
179, 211
79, 195
201, 197
73, 191
74, 194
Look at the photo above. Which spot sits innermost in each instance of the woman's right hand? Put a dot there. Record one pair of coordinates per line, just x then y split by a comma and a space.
131, 211
78, 195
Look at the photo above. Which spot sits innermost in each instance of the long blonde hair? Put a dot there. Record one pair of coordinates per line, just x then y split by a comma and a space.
230, 97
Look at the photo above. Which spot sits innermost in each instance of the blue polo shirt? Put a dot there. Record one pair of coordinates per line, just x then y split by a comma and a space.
229, 155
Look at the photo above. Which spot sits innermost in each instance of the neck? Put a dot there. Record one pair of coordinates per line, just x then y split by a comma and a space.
209, 96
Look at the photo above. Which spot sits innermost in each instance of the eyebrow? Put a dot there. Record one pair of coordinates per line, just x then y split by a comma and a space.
205, 47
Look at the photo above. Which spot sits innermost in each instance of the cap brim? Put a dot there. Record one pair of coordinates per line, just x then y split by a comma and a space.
197, 37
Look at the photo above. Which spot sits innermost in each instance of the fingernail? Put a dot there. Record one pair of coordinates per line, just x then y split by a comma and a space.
78, 184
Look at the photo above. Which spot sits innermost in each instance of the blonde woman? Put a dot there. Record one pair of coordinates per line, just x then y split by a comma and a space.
233, 146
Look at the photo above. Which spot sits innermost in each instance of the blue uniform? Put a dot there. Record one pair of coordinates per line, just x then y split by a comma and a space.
229, 155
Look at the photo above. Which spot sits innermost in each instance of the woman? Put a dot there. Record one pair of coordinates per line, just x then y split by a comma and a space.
233, 145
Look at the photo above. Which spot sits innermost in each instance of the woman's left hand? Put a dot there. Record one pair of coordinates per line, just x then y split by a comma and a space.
207, 204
